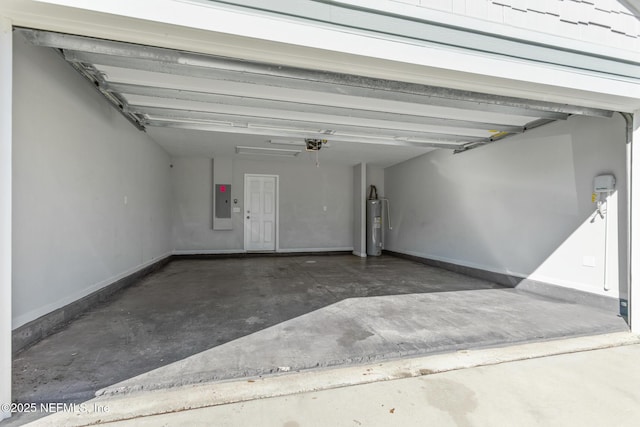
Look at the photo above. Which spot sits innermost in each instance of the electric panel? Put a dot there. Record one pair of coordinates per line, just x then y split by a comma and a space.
223, 200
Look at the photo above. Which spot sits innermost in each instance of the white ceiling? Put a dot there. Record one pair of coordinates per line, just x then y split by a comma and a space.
200, 105
195, 143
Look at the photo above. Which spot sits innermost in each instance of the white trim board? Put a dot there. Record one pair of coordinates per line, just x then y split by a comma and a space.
6, 144
633, 177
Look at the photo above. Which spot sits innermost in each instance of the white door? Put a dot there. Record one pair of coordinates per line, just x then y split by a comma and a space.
260, 212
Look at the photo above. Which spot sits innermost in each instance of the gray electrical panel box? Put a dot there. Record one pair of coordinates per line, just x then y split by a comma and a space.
223, 200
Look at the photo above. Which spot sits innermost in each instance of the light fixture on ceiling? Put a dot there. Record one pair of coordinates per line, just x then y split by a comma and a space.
415, 140
284, 128
297, 142
180, 120
267, 151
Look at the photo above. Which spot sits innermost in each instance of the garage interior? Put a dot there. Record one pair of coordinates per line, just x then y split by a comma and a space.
497, 189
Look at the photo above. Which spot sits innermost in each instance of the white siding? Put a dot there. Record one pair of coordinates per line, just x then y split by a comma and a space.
603, 22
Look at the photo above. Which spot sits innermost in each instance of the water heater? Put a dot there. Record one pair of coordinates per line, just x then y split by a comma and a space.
374, 227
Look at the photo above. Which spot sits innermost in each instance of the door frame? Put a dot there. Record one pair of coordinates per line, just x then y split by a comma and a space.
277, 207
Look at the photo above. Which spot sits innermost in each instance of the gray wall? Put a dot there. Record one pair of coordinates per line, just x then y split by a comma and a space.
304, 192
75, 159
520, 206
375, 176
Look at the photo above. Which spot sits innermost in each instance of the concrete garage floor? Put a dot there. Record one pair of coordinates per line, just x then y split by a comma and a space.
199, 320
